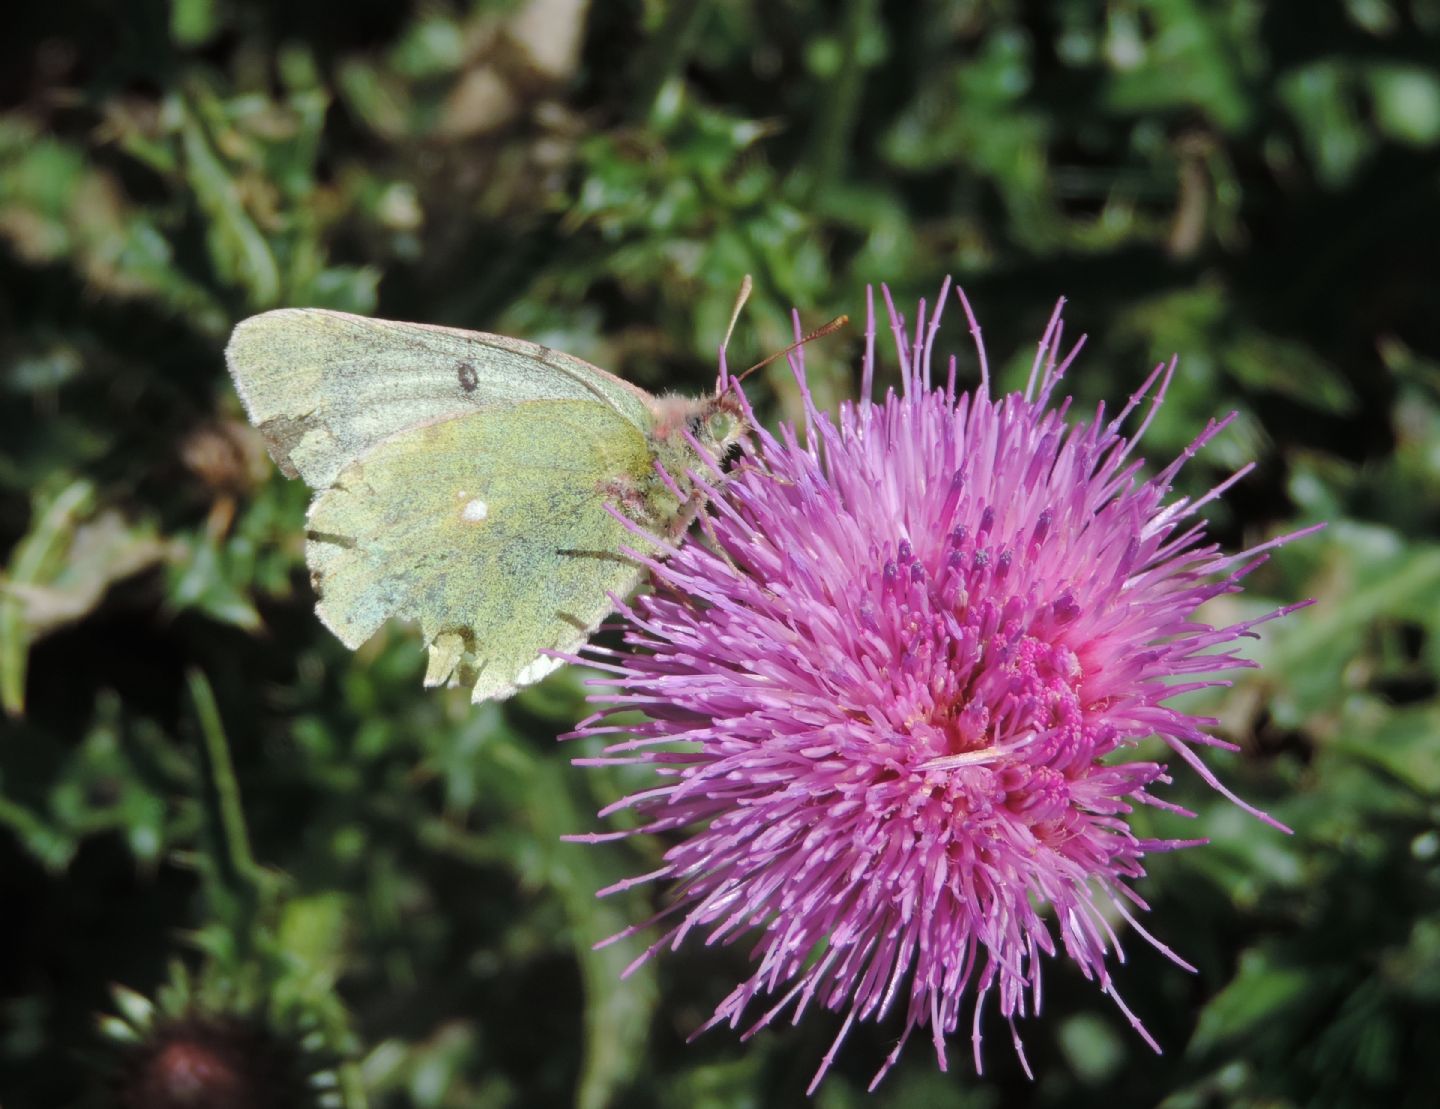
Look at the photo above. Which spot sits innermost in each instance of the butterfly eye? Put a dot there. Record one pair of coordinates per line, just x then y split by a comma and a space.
695, 424
721, 426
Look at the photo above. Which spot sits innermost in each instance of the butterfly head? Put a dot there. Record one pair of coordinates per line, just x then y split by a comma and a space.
715, 422
720, 421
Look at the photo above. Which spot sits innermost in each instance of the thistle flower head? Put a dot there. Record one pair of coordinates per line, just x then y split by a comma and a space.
882, 701
209, 1042
212, 1062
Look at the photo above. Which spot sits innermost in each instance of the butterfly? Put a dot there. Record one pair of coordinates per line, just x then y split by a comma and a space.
470, 482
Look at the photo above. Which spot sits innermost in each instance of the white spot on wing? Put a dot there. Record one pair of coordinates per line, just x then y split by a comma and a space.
536, 670
475, 511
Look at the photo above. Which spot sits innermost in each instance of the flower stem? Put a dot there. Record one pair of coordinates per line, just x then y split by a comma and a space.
668, 50
235, 863
830, 145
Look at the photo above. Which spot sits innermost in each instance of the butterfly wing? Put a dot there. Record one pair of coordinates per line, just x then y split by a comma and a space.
324, 387
490, 529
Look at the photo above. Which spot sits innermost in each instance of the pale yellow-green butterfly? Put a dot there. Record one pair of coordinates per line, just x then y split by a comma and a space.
467, 481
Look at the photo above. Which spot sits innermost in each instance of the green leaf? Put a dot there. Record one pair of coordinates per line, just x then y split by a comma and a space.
35, 562
240, 253
1261, 993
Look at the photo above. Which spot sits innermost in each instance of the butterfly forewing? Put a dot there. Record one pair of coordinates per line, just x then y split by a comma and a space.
325, 387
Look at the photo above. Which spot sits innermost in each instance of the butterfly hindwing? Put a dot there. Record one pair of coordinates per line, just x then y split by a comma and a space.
490, 529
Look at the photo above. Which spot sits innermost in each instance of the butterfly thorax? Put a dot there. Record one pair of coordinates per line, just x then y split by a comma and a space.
681, 424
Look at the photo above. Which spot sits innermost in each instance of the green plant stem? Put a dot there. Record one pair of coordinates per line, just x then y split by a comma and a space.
667, 51
32, 558
830, 149
235, 862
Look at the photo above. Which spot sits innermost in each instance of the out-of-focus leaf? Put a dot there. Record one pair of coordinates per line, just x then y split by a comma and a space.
34, 565
1179, 53
1259, 994
1407, 103
102, 551
240, 252
1405, 742
111, 782
202, 578
1092, 1048
618, 1010
1321, 99
193, 22
55, 205
1382, 578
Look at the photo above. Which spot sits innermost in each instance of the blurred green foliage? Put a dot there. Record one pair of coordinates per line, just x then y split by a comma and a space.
1256, 186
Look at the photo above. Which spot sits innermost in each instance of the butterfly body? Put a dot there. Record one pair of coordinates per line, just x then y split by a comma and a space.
468, 482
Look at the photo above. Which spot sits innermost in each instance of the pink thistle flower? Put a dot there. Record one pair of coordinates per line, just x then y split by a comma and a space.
881, 701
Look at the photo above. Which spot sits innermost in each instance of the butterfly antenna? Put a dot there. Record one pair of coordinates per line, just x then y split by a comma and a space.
740, 298
819, 333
